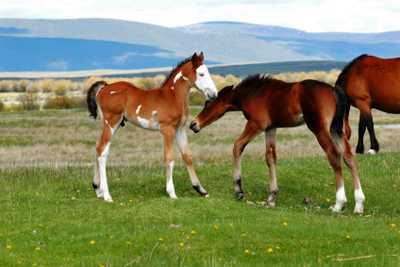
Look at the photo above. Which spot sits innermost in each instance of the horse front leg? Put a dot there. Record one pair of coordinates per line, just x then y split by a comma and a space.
168, 135
251, 130
270, 157
183, 145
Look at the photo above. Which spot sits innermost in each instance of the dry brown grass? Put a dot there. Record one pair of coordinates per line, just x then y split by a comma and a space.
49, 88
67, 138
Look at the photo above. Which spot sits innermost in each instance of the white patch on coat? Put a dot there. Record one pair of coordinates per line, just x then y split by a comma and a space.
178, 76
113, 92
138, 109
151, 124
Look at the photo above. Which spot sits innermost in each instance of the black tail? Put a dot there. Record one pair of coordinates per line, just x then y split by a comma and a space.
341, 105
91, 97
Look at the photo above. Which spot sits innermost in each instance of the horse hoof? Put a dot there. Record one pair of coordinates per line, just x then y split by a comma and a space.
359, 150
108, 200
239, 195
271, 204
206, 195
199, 189
336, 209
371, 152
359, 209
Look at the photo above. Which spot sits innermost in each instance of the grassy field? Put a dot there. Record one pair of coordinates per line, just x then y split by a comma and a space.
50, 216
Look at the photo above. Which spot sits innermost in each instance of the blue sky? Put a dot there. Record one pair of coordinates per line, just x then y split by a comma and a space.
309, 15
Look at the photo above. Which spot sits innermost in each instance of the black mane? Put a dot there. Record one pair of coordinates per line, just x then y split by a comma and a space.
343, 75
173, 71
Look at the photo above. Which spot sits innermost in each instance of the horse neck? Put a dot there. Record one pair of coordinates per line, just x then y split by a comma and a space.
178, 90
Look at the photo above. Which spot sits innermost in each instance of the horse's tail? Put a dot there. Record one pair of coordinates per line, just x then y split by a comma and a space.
341, 106
91, 97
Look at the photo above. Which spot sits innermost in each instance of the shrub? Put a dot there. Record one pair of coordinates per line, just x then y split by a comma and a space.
21, 85
64, 102
196, 98
29, 101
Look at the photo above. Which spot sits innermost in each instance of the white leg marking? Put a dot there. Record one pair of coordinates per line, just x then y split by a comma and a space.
170, 183
138, 109
98, 191
103, 176
359, 199
340, 200
371, 152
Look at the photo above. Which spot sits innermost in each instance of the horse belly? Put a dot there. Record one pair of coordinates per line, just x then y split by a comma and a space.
289, 120
144, 122
390, 104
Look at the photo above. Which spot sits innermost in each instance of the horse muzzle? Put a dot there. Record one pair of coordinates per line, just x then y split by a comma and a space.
211, 96
194, 126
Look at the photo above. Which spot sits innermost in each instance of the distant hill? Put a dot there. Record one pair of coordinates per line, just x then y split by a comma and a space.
84, 44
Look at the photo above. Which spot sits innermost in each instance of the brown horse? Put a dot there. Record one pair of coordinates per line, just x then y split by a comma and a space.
370, 82
164, 109
268, 104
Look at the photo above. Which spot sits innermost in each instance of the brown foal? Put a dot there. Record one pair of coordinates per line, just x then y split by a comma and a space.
370, 82
269, 104
164, 109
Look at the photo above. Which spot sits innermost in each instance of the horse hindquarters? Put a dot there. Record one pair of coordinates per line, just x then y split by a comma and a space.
323, 119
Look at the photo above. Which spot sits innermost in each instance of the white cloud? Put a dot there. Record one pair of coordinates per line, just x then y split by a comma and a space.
309, 15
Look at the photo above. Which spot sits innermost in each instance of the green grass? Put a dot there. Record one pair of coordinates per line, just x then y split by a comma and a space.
50, 217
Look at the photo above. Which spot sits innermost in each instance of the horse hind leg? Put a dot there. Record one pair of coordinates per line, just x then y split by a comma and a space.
350, 161
366, 122
374, 142
333, 154
361, 131
100, 184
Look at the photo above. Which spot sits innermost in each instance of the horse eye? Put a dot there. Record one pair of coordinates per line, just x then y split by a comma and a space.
201, 74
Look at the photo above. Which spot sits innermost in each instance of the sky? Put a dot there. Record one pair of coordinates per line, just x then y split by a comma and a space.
308, 15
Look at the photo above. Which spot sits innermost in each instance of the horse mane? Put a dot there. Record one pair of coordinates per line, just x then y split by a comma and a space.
343, 75
253, 83
173, 71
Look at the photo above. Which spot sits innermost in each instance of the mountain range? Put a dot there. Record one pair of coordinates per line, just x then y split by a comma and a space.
84, 44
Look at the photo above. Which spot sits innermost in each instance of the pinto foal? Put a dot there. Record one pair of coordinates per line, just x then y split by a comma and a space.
164, 109
269, 104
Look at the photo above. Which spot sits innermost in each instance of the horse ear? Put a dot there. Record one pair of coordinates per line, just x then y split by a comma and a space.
196, 61
194, 57
201, 56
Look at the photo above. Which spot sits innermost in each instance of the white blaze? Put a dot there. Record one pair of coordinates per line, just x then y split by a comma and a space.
204, 82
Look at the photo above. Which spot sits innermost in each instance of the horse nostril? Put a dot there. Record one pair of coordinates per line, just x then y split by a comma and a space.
193, 126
